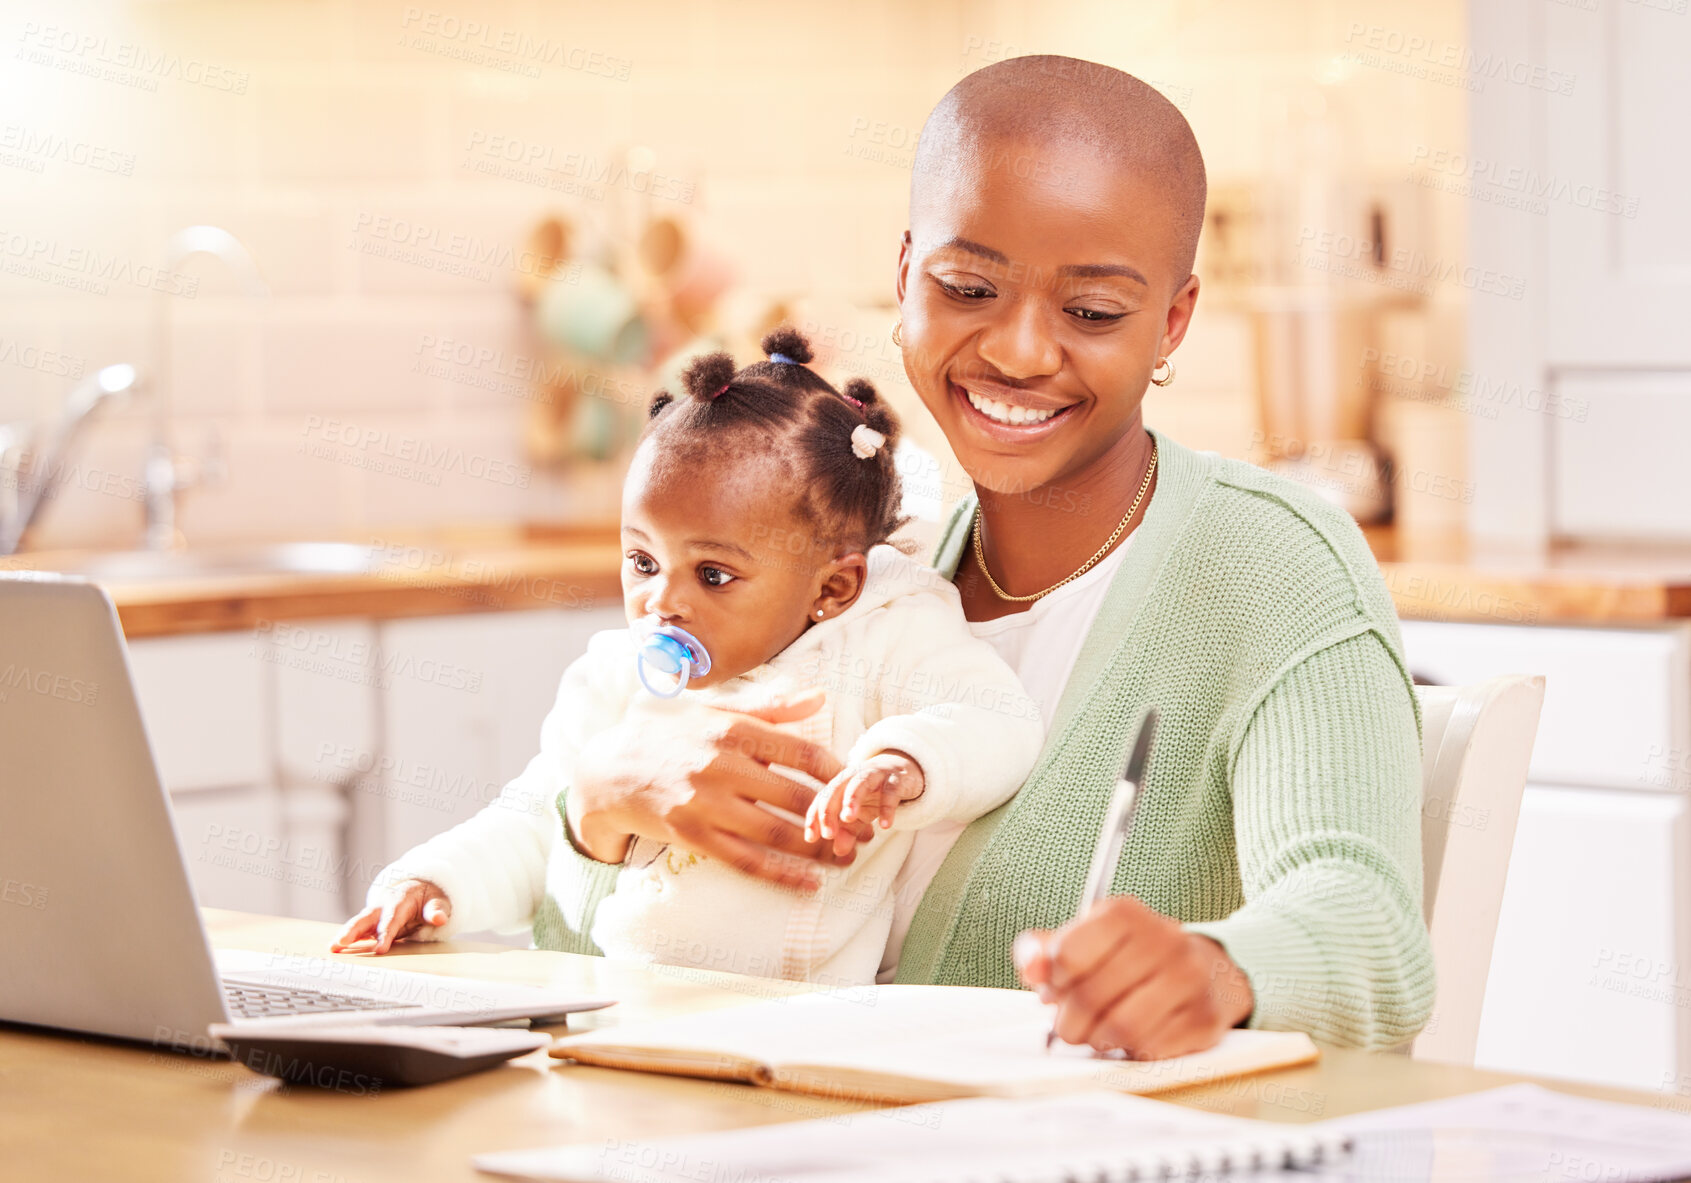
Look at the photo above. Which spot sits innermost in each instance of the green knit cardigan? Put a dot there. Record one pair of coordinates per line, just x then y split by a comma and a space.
1281, 815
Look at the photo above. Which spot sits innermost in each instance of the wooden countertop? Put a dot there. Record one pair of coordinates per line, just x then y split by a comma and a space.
84, 1108
1451, 578
482, 570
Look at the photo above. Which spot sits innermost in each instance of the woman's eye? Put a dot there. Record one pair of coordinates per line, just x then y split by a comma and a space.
1093, 316
716, 576
966, 291
644, 564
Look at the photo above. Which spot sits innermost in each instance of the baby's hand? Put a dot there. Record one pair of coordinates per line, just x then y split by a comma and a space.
873, 788
402, 909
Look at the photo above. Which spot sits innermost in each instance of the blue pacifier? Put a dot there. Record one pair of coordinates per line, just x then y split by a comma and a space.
673, 651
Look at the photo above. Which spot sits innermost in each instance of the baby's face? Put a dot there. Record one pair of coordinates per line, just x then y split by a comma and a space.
720, 553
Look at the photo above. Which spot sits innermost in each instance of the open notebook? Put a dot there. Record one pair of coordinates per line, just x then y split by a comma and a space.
908, 1044
1083, 1136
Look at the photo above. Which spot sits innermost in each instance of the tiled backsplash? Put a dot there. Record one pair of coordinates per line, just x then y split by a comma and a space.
384, 163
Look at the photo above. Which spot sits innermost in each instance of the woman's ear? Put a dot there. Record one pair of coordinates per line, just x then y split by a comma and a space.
903, 264
1180, 315
839, 583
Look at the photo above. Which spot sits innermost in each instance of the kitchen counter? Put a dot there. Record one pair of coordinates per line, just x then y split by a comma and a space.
440, 574
481, 570
1448, 577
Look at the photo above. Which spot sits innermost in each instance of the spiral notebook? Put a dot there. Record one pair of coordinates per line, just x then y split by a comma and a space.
1079, 1136
905, 1045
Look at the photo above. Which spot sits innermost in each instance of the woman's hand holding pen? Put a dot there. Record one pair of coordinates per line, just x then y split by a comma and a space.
701, 791
1127, 978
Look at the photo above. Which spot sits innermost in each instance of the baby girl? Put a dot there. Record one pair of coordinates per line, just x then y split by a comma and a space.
756, 521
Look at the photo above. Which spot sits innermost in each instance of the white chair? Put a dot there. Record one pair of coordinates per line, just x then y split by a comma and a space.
1476, 745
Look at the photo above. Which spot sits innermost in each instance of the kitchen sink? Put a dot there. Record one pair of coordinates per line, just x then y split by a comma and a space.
284, 558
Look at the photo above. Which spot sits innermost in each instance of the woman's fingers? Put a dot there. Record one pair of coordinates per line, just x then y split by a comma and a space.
768, 744
1083, 944
783, 710
1086, 1001
1033, 962
741, 776
437, 911
1125, 977
747, 820
757, 861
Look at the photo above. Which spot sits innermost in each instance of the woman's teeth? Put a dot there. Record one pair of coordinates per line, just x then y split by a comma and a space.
1004, 413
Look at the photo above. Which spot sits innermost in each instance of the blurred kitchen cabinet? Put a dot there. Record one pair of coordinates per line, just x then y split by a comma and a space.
1620, 455
1588, 976
1575, 144
1591, 969
303, 756
206, 702
1616, 184
462, 700
327, 699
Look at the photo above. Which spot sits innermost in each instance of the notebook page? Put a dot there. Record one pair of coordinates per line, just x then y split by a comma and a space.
971, 1039
1079, 1135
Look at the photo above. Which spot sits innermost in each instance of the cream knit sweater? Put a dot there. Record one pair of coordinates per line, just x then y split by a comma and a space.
902, 672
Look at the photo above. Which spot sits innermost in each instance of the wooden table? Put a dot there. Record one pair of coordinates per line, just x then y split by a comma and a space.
82, 1109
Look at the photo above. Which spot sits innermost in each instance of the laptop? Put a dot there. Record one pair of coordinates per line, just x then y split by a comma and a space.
99, 931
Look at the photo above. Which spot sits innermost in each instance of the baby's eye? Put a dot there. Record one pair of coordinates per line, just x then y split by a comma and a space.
716, 576
1093, 316
642, 563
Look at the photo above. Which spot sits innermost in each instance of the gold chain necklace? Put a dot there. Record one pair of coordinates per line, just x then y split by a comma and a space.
980, 554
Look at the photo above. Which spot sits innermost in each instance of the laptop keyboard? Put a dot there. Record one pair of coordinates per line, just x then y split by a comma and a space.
251, 1000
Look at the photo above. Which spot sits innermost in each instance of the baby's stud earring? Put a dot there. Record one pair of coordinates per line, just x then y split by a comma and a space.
819, 614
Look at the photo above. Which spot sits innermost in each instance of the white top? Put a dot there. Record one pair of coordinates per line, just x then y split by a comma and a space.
1041, 645
902, 672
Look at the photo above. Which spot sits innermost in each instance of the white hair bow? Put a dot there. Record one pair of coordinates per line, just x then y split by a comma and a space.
866, 441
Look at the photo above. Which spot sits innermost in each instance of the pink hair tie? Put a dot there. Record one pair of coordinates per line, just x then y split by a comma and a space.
856, 402
721, 392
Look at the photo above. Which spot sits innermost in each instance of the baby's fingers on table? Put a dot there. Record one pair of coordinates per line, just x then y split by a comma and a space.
397, 917
360, 928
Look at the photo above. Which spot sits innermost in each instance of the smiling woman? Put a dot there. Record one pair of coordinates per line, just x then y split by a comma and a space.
1274, 874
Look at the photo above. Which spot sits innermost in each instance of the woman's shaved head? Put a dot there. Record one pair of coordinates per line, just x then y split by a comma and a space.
1053, 107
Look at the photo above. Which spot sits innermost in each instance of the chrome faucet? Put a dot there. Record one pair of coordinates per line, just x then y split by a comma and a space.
33, 464
31, 472
164, 478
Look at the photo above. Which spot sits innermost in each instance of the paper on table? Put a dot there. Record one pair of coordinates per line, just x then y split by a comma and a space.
942, 1041
1520, 1131
1083, 1135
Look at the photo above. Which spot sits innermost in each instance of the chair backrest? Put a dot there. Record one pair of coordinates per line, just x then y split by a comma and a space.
1476, 745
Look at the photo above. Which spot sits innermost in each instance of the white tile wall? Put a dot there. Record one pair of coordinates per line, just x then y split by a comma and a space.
302, 121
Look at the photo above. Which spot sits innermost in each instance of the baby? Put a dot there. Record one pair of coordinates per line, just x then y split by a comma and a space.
755, 525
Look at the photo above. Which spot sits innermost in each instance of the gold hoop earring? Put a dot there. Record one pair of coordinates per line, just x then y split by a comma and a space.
1166, 378
897, 337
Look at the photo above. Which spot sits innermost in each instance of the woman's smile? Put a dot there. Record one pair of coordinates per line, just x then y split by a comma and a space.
1009, 415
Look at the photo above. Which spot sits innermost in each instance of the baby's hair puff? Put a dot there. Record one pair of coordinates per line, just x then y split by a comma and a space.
836, 444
